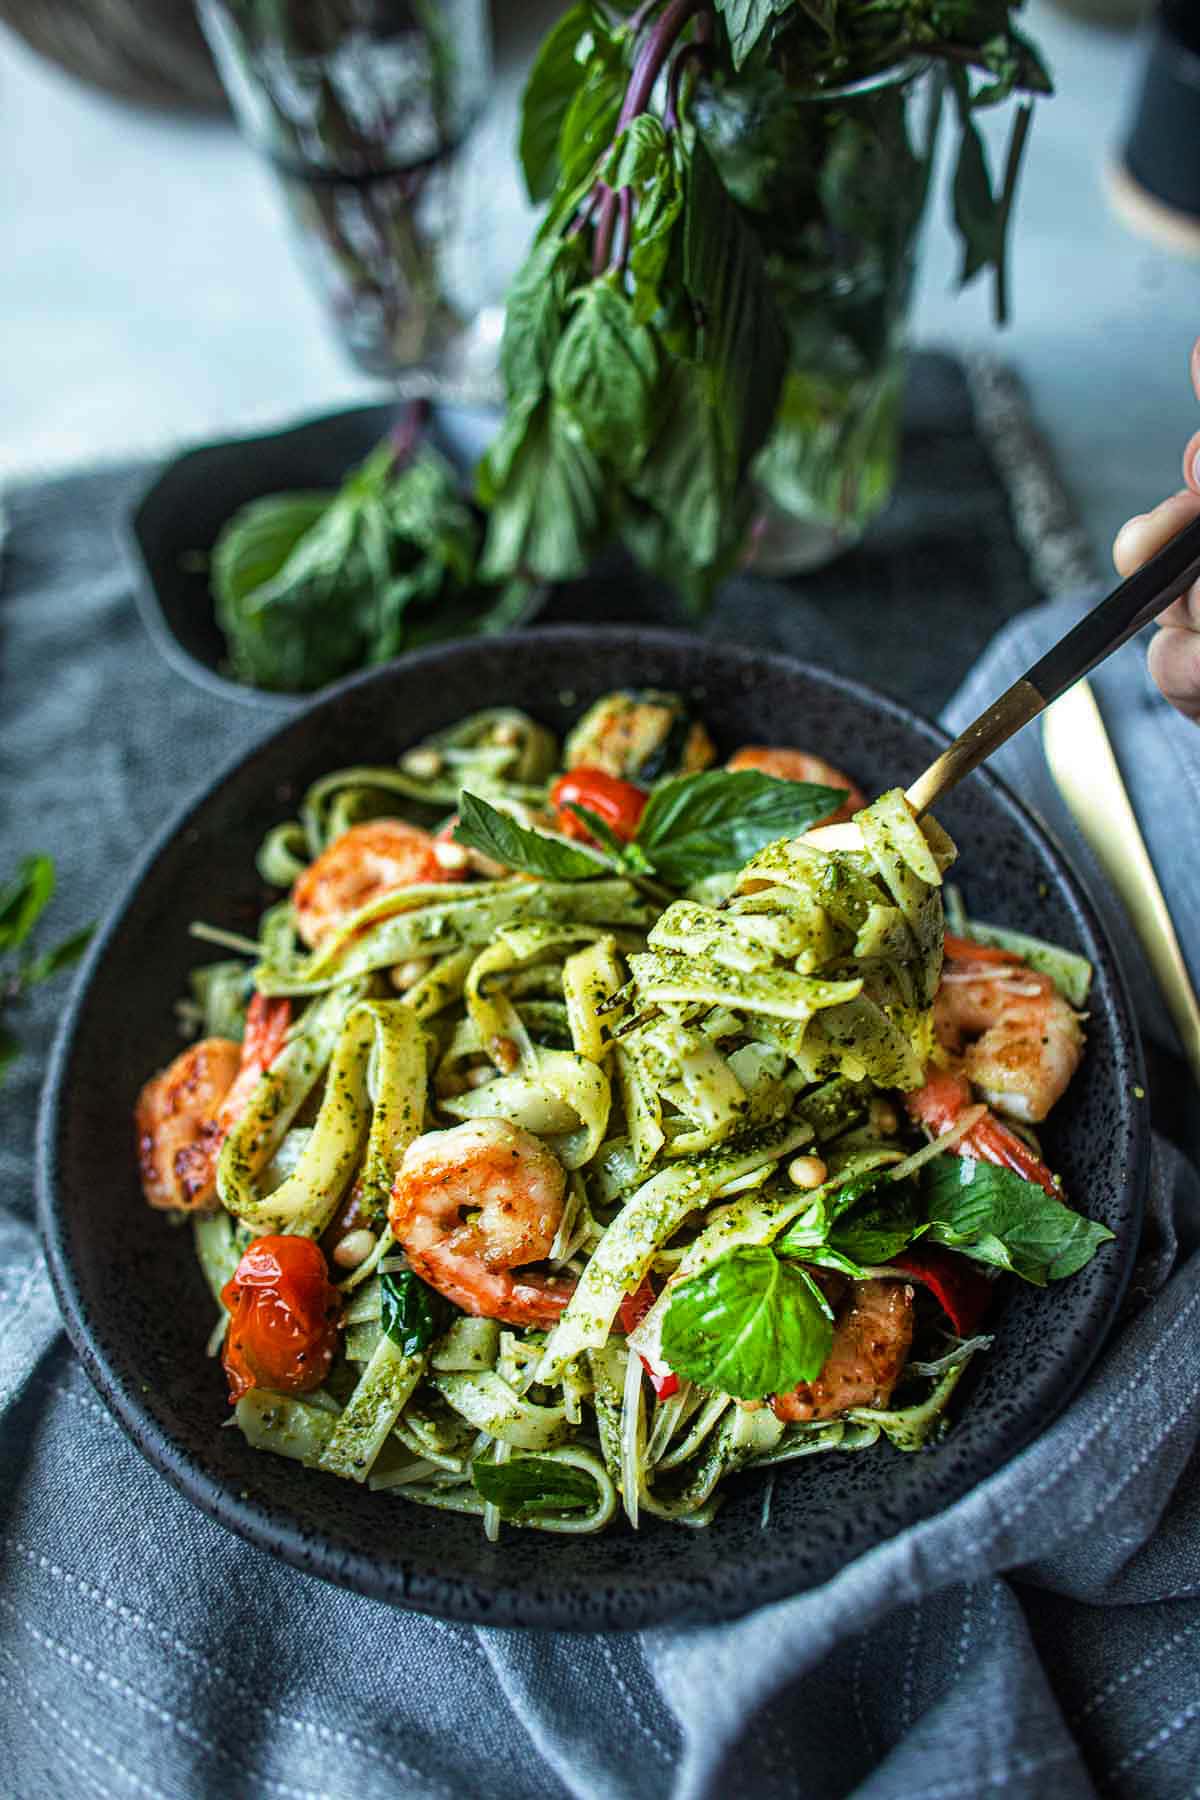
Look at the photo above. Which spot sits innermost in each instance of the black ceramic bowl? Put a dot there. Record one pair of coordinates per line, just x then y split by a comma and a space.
138, 1311
174, 523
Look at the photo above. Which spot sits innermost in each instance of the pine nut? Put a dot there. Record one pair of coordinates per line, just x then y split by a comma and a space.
354, 1248
807, 1172
451, 856
423, 764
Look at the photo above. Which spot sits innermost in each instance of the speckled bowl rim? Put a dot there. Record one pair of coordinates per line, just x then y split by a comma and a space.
723, 1594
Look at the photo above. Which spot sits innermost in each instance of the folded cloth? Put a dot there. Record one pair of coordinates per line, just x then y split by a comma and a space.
1043, 1631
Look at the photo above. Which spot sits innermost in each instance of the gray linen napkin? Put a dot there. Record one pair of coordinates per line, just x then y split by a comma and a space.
1044, 1632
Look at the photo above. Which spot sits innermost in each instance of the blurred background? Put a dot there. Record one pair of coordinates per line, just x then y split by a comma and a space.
152, 294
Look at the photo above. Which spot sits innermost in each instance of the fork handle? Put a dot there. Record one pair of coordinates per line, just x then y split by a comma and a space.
1140, 598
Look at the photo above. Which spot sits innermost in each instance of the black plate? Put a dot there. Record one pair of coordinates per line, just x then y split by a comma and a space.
136, 1306
184, 507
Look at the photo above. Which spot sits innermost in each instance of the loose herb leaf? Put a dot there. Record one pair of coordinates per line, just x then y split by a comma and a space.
411, 1313
525, 1486
555, 78
481, 827
63, 956
993, 1216
24, 899
697, 825
748, 1325
307, 586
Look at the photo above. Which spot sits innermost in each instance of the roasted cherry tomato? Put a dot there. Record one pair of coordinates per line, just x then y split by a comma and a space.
283, 1329
618, 803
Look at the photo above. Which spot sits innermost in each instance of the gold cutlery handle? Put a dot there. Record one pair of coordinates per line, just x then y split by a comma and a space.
1085, 769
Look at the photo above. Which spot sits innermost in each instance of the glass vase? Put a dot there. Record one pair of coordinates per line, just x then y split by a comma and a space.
363, 108
840, 220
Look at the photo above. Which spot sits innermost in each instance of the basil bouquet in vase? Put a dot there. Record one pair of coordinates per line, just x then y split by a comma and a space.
704, 349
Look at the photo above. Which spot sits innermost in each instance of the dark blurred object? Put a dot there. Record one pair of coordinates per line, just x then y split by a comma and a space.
362, 107
1156, 185
148, 51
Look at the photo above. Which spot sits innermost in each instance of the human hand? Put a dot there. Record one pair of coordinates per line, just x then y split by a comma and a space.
1175, 652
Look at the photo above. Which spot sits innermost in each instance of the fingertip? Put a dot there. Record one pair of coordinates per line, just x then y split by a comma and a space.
1174, 663
1191, 463
1126, 550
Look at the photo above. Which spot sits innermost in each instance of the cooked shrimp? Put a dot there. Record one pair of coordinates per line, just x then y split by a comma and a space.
871, 1340
801, 765
639, 737
1019, 1038
364, 862
941, 1103
472, 1207
175, 1118
184, 1114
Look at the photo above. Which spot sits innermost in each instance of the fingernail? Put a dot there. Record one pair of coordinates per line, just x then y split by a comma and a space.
1196, 471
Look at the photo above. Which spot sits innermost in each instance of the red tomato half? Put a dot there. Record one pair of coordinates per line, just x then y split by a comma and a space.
283, 1329
962, 1291
619, 803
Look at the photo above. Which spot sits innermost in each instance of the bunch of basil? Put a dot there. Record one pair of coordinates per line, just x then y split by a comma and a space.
647, 333
310, 585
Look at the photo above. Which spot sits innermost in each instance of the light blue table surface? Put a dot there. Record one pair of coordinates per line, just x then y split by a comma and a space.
149, 294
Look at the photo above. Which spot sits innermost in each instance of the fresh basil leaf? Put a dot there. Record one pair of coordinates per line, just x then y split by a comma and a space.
976, 213
602, 832
605, 374
526, 1486
748, 1325
591, 119
992, 1215
746, 21
533, 317
741, 339
555, 78
697, 825
411, 1313
875, 1232
685, 478
481, 827
63, 956
24, 899
659, 207
547, 501
639, 154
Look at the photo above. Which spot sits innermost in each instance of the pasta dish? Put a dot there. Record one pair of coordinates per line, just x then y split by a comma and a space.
585, 1126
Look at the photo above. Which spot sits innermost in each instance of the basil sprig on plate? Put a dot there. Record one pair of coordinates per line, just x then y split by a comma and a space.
525, 1487
692, 826
753, 1323
307, 586
411, 1313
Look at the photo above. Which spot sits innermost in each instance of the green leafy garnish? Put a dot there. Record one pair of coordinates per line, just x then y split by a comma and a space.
484, 828
697, 825
993, 1216
411, 1313
750, 1324
23, 900
525, 1486
308, 586
692, 826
